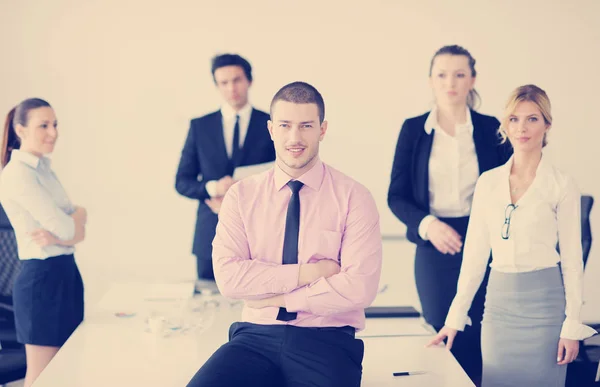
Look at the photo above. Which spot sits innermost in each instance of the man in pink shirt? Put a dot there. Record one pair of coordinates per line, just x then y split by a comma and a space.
301, 244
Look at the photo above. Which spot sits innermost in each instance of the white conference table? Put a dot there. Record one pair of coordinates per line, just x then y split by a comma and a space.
107, 350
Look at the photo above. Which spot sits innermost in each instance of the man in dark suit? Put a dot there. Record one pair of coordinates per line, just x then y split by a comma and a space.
233, 136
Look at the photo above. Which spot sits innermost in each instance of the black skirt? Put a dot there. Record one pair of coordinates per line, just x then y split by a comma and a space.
48, 300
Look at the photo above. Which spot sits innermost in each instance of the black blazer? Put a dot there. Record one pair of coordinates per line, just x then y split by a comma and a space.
408, 195
204, 157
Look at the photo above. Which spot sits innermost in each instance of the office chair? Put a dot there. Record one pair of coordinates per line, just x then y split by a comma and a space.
587, 202
12, 354
582, 372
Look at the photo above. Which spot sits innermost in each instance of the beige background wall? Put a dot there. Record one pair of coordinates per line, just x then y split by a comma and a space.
125, 77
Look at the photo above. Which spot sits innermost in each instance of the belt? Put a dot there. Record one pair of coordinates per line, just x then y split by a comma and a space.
345, 329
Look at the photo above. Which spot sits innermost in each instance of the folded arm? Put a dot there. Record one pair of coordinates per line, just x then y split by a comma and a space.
355, 286
241, 276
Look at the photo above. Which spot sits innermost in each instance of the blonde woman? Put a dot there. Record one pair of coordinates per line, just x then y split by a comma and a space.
531, 325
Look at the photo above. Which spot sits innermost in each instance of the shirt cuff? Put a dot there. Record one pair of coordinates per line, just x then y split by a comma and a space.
297, 301
424, 225
575, 330
211, 188
286, 279
457, 322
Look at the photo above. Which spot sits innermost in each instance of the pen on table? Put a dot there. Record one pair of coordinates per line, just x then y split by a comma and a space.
407, 373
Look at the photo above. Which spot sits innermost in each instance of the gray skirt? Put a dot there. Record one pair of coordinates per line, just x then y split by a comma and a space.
520, 330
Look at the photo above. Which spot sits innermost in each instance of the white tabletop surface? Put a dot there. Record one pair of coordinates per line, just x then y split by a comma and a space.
107, 350
386, 355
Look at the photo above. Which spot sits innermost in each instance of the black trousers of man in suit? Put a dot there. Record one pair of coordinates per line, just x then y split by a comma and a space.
206, 224
284, 355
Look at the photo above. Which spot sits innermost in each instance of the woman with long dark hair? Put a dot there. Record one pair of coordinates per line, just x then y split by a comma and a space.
48, 292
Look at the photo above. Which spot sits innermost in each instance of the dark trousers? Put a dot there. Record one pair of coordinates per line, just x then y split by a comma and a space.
205, 267
206, 225
436, 276
283, 356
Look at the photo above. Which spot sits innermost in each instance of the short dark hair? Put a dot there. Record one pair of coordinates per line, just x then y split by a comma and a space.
19, 115
300, 92
473, 99
231, 60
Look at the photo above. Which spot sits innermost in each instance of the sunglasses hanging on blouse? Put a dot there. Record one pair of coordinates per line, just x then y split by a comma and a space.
508, 211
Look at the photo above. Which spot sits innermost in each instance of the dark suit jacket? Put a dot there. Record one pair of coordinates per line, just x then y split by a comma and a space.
408, 195
204, 158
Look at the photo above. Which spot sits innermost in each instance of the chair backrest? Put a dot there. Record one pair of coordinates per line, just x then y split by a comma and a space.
587, 202
9, 258
4, 222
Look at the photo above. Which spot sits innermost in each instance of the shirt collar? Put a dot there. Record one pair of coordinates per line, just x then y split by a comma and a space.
432, 123
541, 169
542, 173
229, 113
29, 158
311, 178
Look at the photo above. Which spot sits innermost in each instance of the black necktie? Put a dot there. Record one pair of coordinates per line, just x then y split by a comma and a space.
235, 149
290, 241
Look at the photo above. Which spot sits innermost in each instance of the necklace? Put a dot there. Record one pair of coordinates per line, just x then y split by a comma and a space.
517, 187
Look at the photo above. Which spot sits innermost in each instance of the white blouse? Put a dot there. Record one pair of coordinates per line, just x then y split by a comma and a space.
548, 213
33, 198
453, 171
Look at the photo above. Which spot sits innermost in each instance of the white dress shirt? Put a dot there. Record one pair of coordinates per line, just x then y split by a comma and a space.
547, 213
33, 198
453, 171
229, 117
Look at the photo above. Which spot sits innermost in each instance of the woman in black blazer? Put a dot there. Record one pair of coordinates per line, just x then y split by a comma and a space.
438, 158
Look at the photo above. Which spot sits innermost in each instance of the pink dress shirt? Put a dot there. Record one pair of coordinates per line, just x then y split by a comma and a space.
338, 220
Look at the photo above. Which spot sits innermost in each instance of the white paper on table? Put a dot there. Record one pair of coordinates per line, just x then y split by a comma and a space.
381, 327
176, 291
242, 172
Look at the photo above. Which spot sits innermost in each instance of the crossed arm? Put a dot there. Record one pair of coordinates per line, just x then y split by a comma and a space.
44, 237
320, 288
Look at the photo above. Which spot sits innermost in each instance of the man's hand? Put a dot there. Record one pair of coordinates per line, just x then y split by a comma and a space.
311, 272
223, 185
327, 268
214, 204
